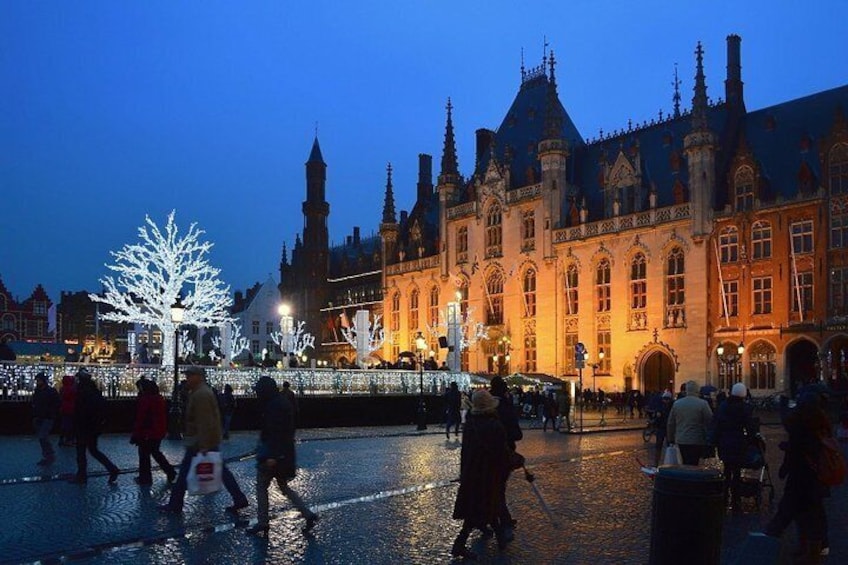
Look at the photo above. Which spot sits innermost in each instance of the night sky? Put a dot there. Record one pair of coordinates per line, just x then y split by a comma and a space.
113, 110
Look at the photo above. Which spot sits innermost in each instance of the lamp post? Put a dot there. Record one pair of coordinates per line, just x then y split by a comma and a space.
421, 345
286, 328
730, 359
176, 412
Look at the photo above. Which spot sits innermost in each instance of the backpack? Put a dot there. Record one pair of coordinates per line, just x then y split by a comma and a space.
830, 467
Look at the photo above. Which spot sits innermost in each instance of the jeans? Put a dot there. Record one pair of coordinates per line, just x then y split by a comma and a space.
691, 454
148, 448
179, 489
89, 442
42, 431
225, 424
452, 420
263, 481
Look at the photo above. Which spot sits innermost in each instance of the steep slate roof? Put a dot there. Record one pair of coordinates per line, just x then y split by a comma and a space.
315, 155
338, 253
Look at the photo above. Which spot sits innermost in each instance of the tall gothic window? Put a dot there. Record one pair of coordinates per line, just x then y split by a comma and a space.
762, 357
413, 310
761, 240
728, 245
762, 295
838, 291
802, 236
839, 223
530, 292
462, 289
394, 319
838, 173
638, 293
802, 291
744, 188
605, 345
433, 317
602, 285
494, 286
675, 288
530, 348
494, 231
731, 296
528, 230
570, 343
571, 295
462, 244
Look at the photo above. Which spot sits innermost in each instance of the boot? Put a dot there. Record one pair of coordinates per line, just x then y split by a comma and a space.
459, 549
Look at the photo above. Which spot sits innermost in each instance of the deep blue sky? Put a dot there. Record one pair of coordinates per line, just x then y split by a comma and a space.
113, 110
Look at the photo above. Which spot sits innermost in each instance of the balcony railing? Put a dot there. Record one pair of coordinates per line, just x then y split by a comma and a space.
613, 225
523, 193
413, 265
462, 210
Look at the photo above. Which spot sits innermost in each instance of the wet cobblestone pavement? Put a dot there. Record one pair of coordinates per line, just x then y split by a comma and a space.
385, 495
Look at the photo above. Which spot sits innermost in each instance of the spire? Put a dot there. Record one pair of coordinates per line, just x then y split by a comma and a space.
522, 65
676, 97
450, 168
699, 100
315, 154
553, 116
285, 259
389, 202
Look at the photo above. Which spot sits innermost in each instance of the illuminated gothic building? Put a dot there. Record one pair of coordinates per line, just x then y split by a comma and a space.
25, 320
652, 245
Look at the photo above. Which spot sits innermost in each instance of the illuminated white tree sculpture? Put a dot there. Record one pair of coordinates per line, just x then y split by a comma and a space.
186, 345
295, 341
366, 337
470, 332
152, 274
231, 343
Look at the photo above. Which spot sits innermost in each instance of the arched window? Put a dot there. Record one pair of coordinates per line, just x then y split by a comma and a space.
762, 356
838, 160
413, 310
571, 295
728, 245
675, 289
638, 293
394, 319
744, 188
530, 347
493, 231
530, 292
494, 287
602, 285
761, 240
434, 307
462, 295
462, 244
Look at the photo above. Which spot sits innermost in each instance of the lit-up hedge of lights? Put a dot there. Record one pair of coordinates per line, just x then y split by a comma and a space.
17, 380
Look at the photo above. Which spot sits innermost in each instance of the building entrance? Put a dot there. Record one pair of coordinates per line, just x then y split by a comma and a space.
801, 360
657, 373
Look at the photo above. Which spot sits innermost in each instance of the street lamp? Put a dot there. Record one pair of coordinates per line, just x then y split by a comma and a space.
730, 359
175, 414
421, 345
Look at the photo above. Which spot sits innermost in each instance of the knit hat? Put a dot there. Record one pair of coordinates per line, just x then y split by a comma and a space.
482, 401
739, 390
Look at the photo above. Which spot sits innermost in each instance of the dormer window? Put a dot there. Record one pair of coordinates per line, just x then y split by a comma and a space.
493, 231
744, 189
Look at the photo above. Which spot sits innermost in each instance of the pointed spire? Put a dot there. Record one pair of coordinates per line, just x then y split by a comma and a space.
285, 258
553, 117
449, 172
699, 100
389, 202
676, 97
315, 154
522, 66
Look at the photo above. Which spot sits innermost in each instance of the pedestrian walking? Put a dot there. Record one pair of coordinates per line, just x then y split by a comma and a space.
292, 398
66, 410
550, 411
661, 424
483, 470
89, 415
509, 420
148, 431
733, 431
228, 408
688, 424
564, 407
202, 434
45, 408
453, 405
275, 455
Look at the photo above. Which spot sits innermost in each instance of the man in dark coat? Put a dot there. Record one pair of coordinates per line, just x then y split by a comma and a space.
509, 419
483, 468
45, 407
453, 405
734, 430
275, 455
89, 413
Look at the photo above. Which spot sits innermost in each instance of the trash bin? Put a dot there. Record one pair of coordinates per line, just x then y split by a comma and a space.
687, 516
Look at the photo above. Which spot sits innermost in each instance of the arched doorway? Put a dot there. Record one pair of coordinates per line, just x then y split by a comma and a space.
835, 362
657, 372
801, 361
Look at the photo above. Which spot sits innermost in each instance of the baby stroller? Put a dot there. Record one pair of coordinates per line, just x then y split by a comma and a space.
755, 474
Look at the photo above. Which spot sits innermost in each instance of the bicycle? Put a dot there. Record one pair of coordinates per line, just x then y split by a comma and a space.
650, 429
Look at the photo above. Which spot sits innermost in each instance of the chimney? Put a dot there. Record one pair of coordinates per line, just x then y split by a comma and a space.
425, 177
484, 141
356, 235
733, 84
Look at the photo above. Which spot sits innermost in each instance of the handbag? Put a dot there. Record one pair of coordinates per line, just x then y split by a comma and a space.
205, 473
672, 455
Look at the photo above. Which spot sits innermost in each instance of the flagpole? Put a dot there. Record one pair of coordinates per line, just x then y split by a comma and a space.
721, 285
795, 277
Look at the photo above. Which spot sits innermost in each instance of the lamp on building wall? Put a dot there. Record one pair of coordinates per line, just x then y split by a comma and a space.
176, 412
421, 346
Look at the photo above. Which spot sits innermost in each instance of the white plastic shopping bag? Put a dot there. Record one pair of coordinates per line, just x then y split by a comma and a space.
205, 474
672, 455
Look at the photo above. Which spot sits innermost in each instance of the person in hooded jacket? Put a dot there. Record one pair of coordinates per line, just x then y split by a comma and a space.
733, 433
89, 413
483, 468
275, 455
148, 432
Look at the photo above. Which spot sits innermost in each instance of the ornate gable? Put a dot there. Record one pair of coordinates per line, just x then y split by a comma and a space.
622, 173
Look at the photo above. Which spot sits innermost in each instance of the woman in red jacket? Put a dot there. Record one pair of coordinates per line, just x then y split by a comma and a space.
149, 429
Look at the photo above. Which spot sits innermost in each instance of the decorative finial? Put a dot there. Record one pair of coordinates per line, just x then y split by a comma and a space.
316, 129
545, 48
676, 97
522, 65
552, 64
700, 101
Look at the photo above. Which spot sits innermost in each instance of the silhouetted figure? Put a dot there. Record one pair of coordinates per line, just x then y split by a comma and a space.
148, 432
89, 416
45, 408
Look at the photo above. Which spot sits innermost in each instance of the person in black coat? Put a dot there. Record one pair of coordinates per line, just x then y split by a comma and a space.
89, 413
453, 406
733, 433
275, 455
483, 468
509, 419
45, 408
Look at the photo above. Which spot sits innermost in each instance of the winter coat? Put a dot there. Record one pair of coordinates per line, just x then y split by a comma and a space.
733, 430
453, 402
805, 425
509, 419
89, 410
202, 420
150, 417
45, 403
689, 421
69, 395
483, 469
276, 436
